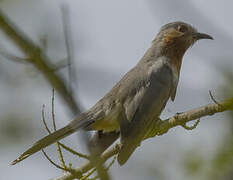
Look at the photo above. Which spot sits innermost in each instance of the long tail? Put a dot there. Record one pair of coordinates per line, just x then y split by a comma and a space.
52, 138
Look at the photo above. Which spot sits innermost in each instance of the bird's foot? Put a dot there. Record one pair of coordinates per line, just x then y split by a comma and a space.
191, 127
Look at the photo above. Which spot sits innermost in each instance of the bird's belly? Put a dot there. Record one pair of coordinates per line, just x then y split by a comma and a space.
109, 122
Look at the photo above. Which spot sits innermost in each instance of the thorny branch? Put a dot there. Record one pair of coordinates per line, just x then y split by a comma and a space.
159, 128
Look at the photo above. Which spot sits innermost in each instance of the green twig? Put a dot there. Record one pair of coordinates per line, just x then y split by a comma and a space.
54, 127
74, 152
88, 174
43, 119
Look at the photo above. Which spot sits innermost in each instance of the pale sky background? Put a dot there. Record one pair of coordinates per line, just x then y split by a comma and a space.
109, 38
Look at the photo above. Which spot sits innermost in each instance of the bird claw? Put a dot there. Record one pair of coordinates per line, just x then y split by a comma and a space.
190, 127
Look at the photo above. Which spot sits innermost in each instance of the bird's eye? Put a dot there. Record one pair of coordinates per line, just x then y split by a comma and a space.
182, 28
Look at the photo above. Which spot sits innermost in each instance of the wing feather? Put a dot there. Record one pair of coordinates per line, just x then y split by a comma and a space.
145, 106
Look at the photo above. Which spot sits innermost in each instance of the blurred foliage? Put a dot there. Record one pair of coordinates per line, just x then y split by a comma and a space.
193, 163
220, 165
15, 128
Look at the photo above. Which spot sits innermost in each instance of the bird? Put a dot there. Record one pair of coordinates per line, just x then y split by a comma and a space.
137, 99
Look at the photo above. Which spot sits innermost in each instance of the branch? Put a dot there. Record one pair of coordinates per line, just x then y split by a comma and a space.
87, 166
69, 44
13, 58
159, 128
36, 57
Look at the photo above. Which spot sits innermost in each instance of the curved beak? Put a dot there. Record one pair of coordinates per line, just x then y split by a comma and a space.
199, 36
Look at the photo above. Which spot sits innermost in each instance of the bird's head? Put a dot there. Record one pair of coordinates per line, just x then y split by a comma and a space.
176, 37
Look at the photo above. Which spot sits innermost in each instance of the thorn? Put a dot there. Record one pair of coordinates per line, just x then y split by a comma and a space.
214, 100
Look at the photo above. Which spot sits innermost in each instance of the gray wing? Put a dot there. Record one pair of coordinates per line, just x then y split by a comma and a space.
174, 84
147, 103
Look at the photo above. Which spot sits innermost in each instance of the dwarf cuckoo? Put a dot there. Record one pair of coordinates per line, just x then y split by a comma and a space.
138, 98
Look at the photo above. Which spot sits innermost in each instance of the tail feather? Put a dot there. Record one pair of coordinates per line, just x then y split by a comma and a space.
44, 142
52, 138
